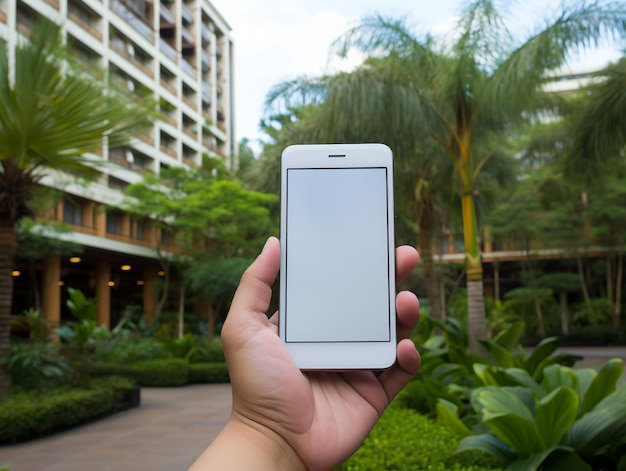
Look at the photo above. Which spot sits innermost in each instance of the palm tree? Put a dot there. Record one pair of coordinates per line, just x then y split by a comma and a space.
51, 113
477, 90
598, 126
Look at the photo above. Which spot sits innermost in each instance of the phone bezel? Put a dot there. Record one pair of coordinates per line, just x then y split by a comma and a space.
340, 355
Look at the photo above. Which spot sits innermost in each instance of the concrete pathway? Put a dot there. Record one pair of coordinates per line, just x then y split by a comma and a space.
167, 432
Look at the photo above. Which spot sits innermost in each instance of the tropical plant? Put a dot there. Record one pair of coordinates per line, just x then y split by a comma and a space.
571, 418
38, 362
471, 92
51, 114
449, 374
83, 332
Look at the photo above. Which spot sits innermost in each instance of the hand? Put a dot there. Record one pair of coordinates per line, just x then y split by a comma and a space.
303, 420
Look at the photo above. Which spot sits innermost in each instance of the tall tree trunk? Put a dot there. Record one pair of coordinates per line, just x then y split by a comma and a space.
474, 273
609, 278
618, 289
8, 247
583, 282
564, 313
537, 302
181, 311
430, 277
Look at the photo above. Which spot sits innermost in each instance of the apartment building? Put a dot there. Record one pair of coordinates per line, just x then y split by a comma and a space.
181, 52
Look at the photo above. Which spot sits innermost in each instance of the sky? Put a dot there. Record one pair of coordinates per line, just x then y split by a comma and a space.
279, 40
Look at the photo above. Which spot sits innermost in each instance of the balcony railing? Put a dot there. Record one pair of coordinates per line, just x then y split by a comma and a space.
188, 68
132, 19
168, 50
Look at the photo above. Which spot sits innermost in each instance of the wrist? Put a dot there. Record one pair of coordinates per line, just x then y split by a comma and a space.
245, 445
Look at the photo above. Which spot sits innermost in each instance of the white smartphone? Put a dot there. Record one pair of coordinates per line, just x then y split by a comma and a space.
337, 275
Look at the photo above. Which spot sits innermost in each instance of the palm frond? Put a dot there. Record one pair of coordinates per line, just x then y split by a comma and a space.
599, 129
50, 113
296, 93
518, 77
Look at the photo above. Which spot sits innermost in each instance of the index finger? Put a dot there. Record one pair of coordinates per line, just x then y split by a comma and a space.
406, 260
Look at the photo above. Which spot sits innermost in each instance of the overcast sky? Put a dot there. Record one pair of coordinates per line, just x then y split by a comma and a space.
278, 40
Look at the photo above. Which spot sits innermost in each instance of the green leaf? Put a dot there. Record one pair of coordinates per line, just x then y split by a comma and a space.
555, 376
500, 355
555, 415
584, 378
543, 350
448, 414
596, 429
604, 384
446, 369
522, 378
509, 419
483, 373
509, 337
553, 459
489, 444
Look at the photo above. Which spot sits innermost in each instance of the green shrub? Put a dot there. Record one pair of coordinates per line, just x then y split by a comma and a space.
196, 349
164, 372
170, 372
128, 350
30, 414
405, 440
208, 373
37, 365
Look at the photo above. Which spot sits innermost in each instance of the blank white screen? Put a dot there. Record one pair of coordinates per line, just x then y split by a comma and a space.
337, 261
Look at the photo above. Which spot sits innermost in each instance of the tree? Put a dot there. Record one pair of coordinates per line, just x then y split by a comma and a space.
51, 114
607, 208
598, 126
476, 90
210, 218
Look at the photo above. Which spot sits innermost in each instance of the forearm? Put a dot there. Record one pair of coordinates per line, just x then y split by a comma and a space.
240, 447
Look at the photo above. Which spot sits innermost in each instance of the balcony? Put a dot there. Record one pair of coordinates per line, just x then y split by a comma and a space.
188, 68
167, 50
80, 21
166, 19
188, 41
130, 16
206, 61
206, 95
206, 34
186, 14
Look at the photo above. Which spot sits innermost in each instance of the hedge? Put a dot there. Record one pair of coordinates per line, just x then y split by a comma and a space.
404, 440
25, 415
167, 372
208, 373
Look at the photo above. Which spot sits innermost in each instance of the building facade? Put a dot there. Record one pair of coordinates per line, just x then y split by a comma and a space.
180, 52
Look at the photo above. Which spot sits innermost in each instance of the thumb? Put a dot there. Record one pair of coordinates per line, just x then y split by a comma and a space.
254, 294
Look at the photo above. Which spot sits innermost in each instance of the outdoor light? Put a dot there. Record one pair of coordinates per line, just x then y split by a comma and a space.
140, 282
161, 273
16, 273
111, 283
125, 267
75, 259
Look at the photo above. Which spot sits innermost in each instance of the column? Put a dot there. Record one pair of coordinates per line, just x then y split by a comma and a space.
101, 221
103, 293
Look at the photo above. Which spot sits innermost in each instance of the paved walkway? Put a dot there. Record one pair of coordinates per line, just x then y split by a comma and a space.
167, 432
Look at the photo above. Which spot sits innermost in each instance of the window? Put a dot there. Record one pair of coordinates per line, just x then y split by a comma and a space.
114, 222
73, 212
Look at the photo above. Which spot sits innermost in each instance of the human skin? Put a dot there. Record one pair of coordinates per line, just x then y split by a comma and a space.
286, 419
